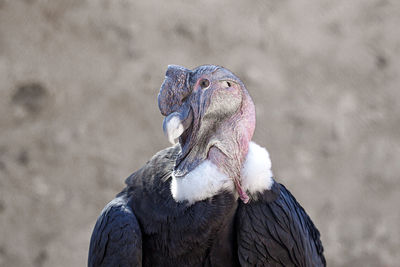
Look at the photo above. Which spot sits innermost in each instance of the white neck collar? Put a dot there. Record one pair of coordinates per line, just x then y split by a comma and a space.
206, 180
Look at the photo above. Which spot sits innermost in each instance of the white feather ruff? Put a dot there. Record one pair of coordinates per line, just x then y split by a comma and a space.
256, 173
206, 180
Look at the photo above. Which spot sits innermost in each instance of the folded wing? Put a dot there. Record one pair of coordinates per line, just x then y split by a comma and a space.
276, 231
116, 238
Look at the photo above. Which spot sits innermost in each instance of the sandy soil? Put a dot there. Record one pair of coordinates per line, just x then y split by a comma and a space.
78, 112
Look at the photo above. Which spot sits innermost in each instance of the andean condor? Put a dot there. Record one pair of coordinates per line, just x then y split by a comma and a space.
211, 199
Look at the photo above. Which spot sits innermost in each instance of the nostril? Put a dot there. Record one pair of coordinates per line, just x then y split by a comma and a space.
185, 98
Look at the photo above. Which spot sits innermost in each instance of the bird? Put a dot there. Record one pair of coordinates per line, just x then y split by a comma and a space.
211, 198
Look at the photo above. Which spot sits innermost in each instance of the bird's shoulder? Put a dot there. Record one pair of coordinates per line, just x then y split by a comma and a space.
117, 236
156, 171
149, 192
276, 231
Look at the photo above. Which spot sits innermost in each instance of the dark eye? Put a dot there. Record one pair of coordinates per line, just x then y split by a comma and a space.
204, 83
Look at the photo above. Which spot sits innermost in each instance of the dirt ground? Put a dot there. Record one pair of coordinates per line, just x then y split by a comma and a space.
78, 111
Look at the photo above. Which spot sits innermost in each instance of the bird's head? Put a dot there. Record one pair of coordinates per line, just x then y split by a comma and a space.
210, 112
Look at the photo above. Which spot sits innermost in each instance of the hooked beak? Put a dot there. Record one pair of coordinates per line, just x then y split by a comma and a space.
171, 102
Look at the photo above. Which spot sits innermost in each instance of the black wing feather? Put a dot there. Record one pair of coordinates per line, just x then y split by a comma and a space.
276, 231
116, 238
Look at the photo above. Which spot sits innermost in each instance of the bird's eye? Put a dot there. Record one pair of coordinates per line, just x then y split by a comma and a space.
226, 84
204, 83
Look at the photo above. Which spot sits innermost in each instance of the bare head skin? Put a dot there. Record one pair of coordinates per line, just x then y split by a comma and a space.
210, 112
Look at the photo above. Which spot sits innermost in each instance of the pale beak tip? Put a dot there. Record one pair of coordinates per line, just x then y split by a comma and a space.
173, 141
173, 129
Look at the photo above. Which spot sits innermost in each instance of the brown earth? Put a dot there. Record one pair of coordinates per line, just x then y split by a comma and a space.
78, 112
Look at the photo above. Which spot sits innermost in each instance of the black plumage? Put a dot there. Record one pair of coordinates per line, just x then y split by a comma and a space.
145, 226
117, 238
276, 231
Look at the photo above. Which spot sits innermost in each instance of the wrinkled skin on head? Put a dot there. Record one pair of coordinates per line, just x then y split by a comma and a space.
210, 111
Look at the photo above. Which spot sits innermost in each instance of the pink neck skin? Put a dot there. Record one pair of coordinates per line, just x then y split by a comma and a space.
236, 134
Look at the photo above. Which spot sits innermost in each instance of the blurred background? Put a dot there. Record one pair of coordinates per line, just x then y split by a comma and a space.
78, 111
